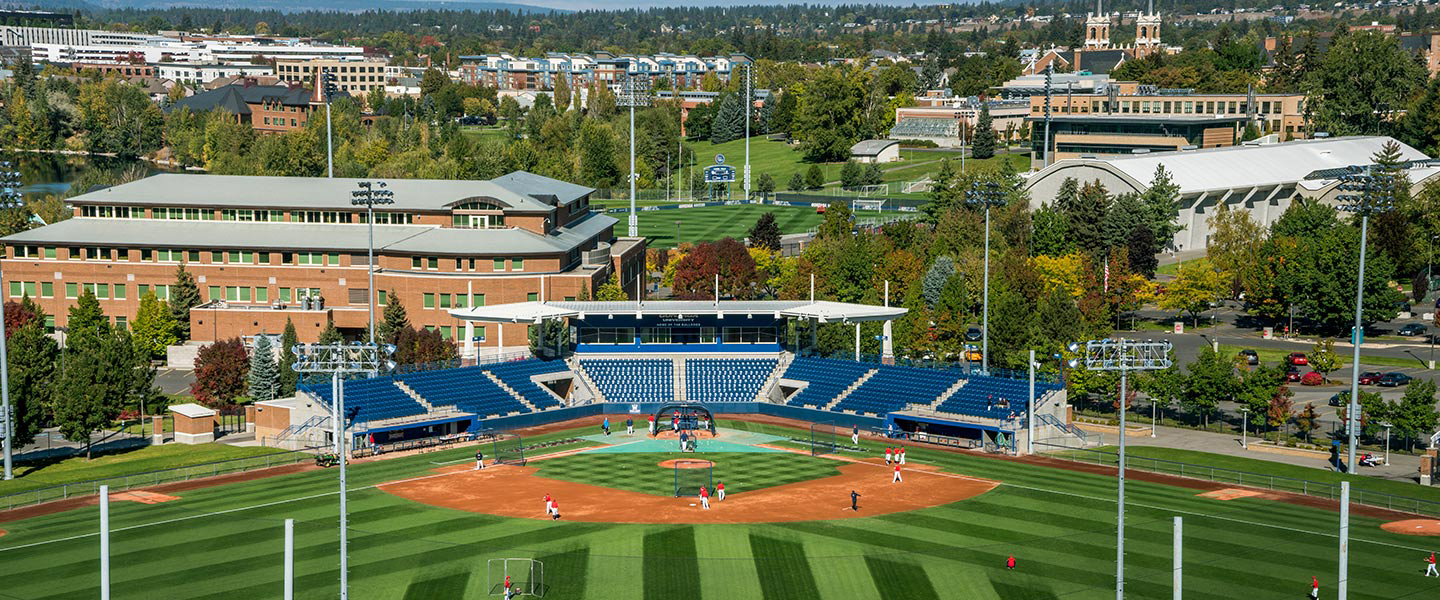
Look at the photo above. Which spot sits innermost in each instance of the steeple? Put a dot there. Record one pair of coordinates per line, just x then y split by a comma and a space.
1147, 31
1097, 28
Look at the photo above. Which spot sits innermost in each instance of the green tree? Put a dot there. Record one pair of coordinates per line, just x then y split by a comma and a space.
838, 222
154, 327
1085, 217
1196, 286
610, 291
831, 113
1235, 241
935, 279
797, 182
1415, 417
331, 335
1323, 359
1255, 389
1364, 78
1161, 208
184, 295
945, 193
393, 319
433, 81
289, 379
766, 233
1165, 387
264, 379
562, 92
1307, 421
1049, 233
221, 373
814, 178
985, 138
729, 123
598, 151
1210, 380
765, 185
872, 175
850, 174
96, 382
86, 322
1014, 328
32, 360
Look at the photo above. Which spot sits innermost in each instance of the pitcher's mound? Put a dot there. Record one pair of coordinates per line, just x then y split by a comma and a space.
142, 497
683, 463
1413, 527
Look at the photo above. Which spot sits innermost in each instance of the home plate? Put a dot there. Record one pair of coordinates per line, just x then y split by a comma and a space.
1231, 494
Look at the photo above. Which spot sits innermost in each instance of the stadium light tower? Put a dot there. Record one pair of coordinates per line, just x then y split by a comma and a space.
339, 360
635, 91
327, 80
1124, 356
749, 109
368, 197
986, 194
10, 199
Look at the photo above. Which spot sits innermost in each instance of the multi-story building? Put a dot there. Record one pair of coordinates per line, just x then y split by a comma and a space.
1281, 114
267, 108
1096, 135
1097, 54
356, 77
267, 249
944, 123
508, 72
189, 73
123, 69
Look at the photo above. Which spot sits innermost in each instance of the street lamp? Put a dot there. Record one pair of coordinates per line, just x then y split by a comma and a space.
1369, 193
327, 81
368, 197
10, 199
339, 360
1124, 356
1387, 427
987, 194
634, 91
1244, 427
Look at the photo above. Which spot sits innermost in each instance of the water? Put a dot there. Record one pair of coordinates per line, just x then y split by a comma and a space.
55, 174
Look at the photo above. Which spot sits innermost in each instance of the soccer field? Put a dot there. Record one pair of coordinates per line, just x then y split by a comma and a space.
710, 223
225, 542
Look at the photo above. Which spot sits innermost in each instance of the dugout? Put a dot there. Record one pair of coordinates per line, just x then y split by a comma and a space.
948, 432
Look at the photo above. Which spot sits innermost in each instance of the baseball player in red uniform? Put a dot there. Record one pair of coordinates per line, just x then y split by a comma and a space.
1314, 587
704, 498
548, 502
897, 474
901, 452
651, 420
507, 584
554, 510
887, 455
1430, 566
1010, 562
720, 495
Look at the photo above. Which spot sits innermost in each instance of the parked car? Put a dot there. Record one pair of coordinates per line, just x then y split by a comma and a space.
973, 334
1297, 358
1292, 373
1340, 399
1251, 358
1393, 379
1414, 329
1369, 377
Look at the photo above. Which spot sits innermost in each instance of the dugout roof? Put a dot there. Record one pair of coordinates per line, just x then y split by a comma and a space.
822, 311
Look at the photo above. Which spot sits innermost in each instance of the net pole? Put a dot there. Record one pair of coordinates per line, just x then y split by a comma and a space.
289, 559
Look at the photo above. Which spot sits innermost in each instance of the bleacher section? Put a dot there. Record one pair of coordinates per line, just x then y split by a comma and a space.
372, 399
828, 378
465, 388
726, 379
926, 127
892, 387
632, 380
992, 397
517, 375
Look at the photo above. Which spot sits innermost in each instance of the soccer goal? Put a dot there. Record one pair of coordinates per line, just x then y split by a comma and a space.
822, 438
691, 474
526, 576
875, 204
509, 449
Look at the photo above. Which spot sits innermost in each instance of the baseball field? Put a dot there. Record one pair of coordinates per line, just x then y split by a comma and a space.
428, 525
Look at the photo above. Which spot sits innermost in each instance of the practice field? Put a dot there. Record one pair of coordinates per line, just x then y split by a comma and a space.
225, 542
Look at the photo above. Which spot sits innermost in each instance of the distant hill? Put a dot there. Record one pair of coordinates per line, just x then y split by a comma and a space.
297, 5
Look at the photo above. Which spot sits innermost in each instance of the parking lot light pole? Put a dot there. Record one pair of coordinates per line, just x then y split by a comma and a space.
1124, 356
1367, 193
1387, 427
1244, 427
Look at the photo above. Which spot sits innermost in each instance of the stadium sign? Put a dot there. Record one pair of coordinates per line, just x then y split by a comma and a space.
719, 174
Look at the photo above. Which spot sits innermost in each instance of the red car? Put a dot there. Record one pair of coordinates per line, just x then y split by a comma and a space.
1292, 373
1369, 378
1297, 358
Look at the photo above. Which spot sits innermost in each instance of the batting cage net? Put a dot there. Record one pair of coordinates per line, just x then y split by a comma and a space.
526, 576
508, 449
822, 438
691, 474
684, 417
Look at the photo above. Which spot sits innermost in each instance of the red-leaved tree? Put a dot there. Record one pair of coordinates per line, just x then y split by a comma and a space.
221, 370
419, 346
19, 314
695, 274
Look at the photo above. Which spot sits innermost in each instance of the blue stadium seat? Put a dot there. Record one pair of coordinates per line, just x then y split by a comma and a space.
892, 387
632, 380
726, 379
465, 388
371, 399
517, 375
827, 379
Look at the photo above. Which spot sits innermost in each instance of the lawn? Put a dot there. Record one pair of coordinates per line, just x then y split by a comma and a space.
479, 133
143, 459
715, 222
1058, 524
640, 471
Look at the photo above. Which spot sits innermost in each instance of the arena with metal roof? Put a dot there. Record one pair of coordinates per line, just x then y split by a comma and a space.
1261, 178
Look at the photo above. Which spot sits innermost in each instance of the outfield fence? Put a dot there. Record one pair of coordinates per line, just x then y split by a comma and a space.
1304, 487
119, 483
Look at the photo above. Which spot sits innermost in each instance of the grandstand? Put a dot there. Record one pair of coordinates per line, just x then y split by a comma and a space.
730, 356
925, 128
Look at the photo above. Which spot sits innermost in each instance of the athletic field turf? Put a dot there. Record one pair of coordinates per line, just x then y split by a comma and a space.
640, 472
711, 223
225, 542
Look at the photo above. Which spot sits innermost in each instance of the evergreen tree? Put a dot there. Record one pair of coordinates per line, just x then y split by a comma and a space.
797, 182
1049, 234
872, 175
331, 335
729, 123
87, 323
945, 193
850, 174
184, 295
264, 379
765, 233
985, 138
765, 185
610, 291
1086, 219
394, 318
288, 378
154, 326
1161, 202
99, 381
1142, 252
32, 360
935, 279
814, 177
1013, 325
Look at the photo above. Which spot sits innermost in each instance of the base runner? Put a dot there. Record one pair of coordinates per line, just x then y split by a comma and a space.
704, 498
652, 425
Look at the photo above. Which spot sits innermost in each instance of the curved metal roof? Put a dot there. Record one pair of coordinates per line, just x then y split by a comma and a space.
823, 311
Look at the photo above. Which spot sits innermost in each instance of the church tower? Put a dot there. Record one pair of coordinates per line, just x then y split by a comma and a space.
1147, 32
1097, 29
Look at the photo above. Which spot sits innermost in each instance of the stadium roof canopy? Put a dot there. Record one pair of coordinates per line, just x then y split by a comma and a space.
822, 311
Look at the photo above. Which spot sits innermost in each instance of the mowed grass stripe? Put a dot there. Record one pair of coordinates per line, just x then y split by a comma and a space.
670, 567
726, 564
891, 575
565, 573
783, 569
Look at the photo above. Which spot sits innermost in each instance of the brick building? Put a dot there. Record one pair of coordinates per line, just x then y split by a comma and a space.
356, 77
260, 247
267, 108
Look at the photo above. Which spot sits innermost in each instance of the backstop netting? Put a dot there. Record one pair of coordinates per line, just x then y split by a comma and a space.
691, 474
509, 449
822, 438
527, 576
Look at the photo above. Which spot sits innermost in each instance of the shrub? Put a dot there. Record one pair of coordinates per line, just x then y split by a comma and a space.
1312, 378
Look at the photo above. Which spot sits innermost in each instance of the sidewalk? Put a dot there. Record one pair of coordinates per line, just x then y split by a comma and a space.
1401, 467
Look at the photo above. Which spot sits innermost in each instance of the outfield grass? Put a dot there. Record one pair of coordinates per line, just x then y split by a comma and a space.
1058, 524
143, 459
641, 471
